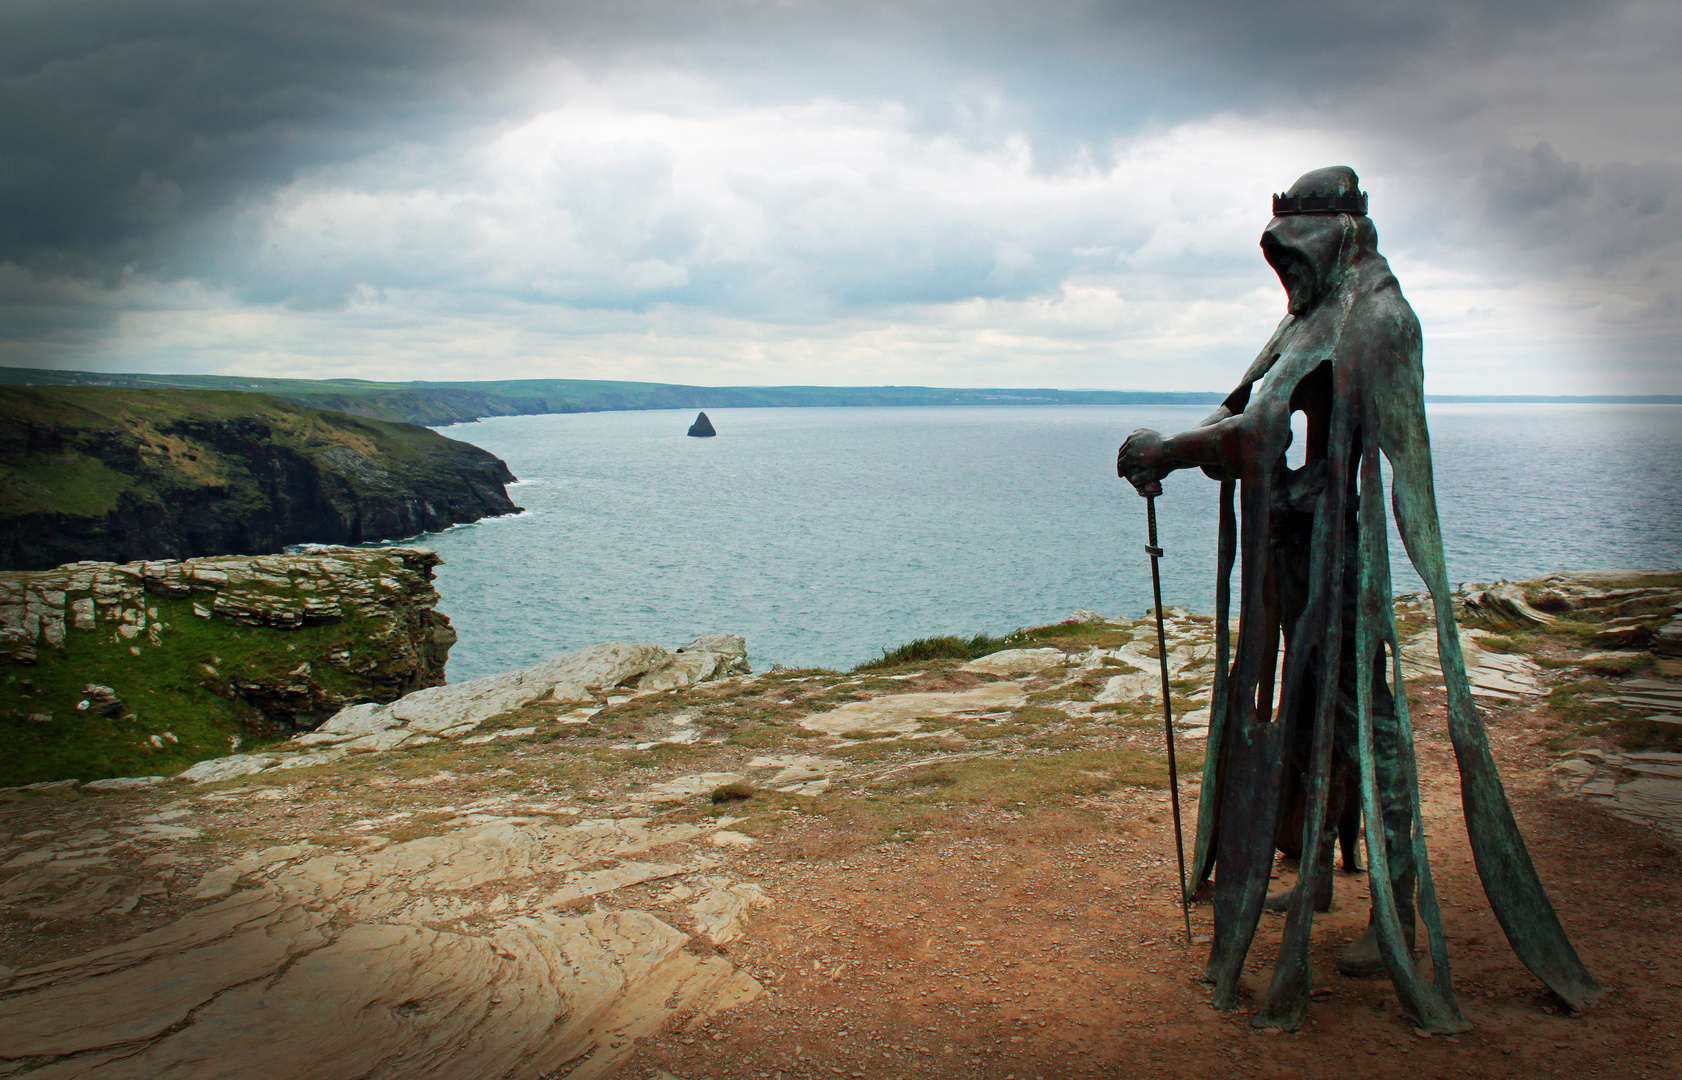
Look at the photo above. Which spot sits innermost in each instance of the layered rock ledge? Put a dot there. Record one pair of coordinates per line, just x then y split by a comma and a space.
109, 669
573, 687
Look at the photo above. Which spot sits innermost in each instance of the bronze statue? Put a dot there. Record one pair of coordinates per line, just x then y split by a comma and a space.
1315, 579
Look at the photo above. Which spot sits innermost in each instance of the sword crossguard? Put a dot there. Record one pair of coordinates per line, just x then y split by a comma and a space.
1153, 551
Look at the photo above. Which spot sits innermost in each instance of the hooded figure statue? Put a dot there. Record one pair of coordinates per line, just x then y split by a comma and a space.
1315, 581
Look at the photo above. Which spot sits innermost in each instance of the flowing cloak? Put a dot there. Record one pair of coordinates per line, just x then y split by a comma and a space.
1351, 362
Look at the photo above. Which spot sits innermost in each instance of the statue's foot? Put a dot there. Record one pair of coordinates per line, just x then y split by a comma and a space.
1281, 901
1363, 957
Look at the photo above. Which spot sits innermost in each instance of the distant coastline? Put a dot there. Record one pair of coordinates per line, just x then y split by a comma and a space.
436, 404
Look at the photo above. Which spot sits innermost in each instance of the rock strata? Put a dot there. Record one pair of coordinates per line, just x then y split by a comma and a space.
163, 659
585, 679
1493, 675
1502, 605
450, 955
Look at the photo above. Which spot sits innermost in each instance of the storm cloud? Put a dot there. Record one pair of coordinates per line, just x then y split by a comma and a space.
979, 194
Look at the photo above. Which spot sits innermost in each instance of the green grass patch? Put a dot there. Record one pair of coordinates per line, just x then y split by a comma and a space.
728, 793
924, 650
949, 647
1569, 702
1061, 741
884, 749
1083, 635
1638, 734
1624, 663
1037, 715
996, 730
187, 686
66, 483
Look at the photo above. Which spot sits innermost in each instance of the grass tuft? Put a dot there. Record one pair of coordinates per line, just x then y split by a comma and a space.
727, 793
924, 650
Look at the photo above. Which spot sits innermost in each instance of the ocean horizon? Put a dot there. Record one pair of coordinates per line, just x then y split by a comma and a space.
826, 535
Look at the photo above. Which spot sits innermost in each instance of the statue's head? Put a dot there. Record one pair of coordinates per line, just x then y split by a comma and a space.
1322, 216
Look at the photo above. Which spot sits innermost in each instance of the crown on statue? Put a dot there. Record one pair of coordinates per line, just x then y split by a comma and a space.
1320, 204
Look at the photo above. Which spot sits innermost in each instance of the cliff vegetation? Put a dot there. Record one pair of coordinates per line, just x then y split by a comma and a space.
121, 474
143, 669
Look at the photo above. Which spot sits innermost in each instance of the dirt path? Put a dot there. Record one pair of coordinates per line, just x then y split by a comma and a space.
1006, 947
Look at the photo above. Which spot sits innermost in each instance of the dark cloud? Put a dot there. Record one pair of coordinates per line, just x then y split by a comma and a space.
130, 127
1599, 217
184, 140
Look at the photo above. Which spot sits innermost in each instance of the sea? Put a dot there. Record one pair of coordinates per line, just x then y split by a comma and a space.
826, 535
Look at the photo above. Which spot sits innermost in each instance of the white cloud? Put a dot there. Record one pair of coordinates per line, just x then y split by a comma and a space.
1007, 208
840, 242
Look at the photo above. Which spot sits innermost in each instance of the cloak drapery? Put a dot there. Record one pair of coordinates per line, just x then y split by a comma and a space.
1312, 548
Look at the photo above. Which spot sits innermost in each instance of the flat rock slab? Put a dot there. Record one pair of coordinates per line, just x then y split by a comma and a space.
902, 713
390, 964
1494, 675
565, 678
685, 787
456, 709
1642, 787
1017, 661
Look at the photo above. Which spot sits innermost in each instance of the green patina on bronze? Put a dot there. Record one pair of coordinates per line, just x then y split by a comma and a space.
1312, 550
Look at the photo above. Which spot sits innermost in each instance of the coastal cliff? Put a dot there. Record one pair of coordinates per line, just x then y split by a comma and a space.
119, 474
108, 670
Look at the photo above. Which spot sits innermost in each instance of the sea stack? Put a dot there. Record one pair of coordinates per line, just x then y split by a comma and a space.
702, 428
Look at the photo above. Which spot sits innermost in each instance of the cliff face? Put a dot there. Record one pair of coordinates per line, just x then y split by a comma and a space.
119, 474
110, 670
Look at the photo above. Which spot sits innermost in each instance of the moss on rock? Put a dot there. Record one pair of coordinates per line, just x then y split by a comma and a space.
204, 655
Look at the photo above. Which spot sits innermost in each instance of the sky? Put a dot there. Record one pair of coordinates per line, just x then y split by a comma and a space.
727, 192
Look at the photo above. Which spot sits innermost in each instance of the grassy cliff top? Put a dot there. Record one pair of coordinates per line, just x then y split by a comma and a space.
453, 402
78, 449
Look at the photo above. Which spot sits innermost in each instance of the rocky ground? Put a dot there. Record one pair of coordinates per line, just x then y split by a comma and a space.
937, 868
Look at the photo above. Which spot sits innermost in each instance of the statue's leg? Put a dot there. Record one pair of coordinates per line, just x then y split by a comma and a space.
1349, 823
1362, 958
1328, 839
1292, 819
1255, 749
1390, 787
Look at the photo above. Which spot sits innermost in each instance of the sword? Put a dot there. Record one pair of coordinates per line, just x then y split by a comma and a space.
1150, 492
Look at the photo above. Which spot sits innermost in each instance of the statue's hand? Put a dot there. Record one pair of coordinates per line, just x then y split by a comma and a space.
1141, 462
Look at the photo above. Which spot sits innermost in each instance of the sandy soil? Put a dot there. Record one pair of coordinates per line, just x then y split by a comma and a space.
1013, 948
